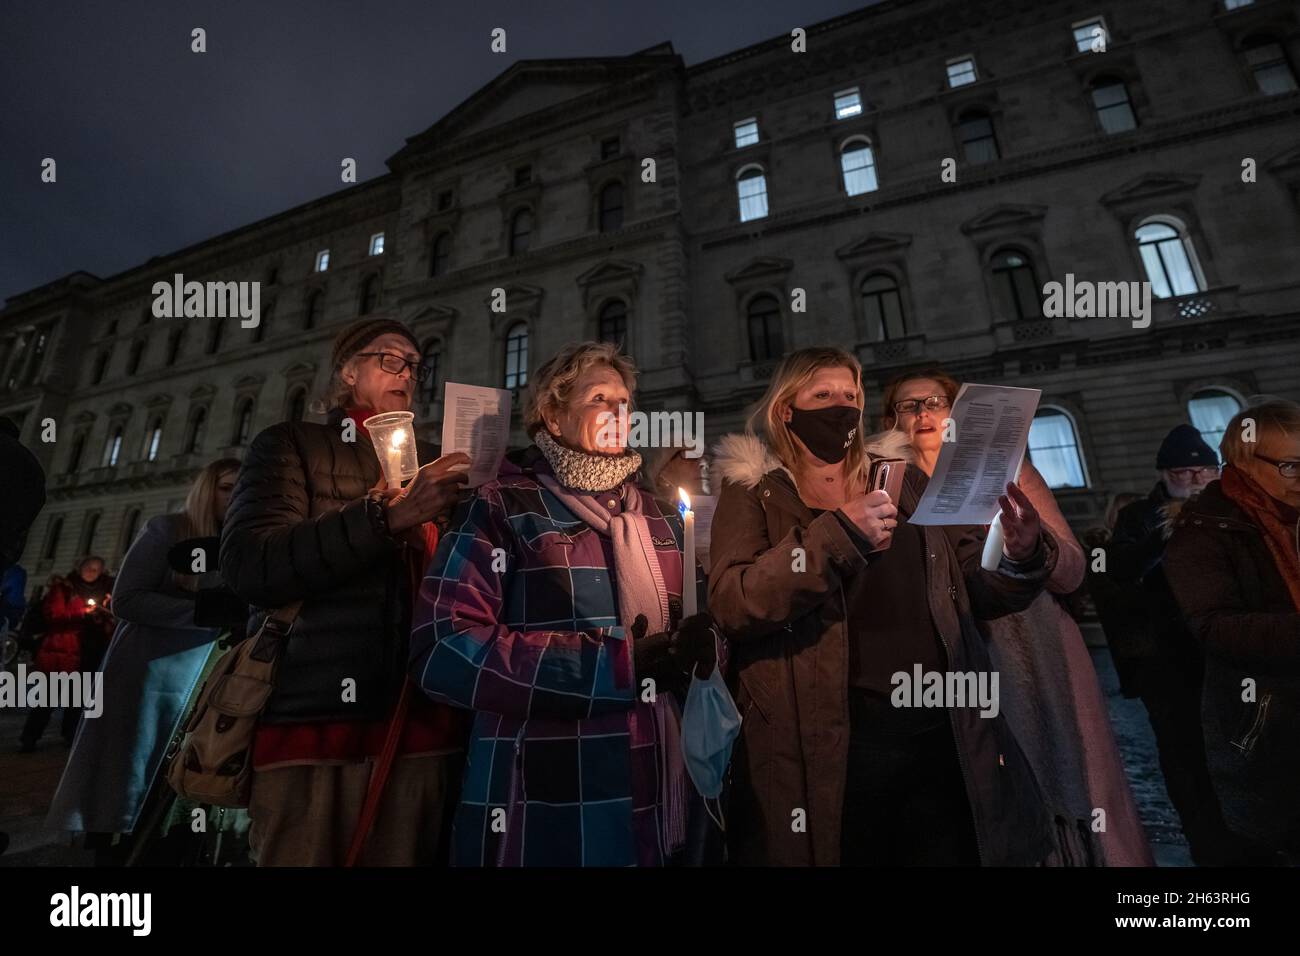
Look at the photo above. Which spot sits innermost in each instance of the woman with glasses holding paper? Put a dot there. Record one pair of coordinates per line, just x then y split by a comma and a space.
1050, 693
837, 609
316, 521
1234, 564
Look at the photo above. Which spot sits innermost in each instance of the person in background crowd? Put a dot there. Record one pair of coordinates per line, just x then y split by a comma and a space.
23, 480
555, 597
667, 469
1118, 607
153, 668
310, 521
77, 626
1234, 565
1050, 693
826, 593
13, 597
1164, 663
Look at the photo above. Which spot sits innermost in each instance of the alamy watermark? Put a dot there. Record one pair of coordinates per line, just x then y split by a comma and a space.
652, 430
84, 691
208, 300
922, 688
1098, 300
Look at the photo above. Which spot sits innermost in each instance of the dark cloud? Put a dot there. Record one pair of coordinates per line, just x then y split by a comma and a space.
158, 147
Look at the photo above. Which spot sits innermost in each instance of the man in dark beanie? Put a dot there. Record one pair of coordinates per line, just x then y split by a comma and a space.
1159, 657
310, 521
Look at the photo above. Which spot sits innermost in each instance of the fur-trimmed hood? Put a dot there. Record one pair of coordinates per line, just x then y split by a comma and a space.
744, 458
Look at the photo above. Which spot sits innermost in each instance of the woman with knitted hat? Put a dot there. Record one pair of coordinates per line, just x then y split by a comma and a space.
547, 612
311, 522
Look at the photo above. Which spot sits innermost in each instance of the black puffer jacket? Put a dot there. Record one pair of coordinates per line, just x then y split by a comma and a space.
1238, 606
297, 530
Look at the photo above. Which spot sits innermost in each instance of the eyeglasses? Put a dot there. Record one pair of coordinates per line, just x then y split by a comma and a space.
1290, 468
394, 364
1187, 474
912, 406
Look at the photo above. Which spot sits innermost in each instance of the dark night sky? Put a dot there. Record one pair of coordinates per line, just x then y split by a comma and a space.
158, 147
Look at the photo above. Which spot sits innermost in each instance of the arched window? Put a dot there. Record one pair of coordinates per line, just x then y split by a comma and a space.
88, 532
1054, 449
113, 447
611, 324
174, 345
298, 404
882, 307
315, 302
130, 524
52, 539
765, 341
1210, 410
153, 439
78, 449
611, 207
517, 356
198, 430
1016, 285
1110, 99
751, 192
101, 364
264, 323
243, 422
440, 256
369, 293
978, 140
1168, 257
521, 231
133, 359
858, 164
215, 332
1268, 64
430, 358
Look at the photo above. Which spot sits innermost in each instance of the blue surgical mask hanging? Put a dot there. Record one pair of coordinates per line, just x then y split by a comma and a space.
710, 725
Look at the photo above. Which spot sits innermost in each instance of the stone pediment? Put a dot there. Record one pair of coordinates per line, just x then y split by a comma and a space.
534, 87
876, 243
1005, 216
612, 270
760, 268
520, 297
1150, 185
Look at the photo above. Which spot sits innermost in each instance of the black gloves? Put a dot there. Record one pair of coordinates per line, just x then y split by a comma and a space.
669, 658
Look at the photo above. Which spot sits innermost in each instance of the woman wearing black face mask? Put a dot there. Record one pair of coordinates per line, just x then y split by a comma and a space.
826, 593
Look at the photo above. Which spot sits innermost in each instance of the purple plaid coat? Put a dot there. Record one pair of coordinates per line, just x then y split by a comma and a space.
517, 619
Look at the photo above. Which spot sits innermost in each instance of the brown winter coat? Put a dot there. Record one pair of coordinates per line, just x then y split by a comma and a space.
790, 662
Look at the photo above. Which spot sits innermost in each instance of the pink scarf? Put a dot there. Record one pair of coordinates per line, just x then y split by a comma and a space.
641, 590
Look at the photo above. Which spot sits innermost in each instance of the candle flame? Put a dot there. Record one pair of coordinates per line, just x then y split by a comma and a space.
91, 602
399, 438
686, 499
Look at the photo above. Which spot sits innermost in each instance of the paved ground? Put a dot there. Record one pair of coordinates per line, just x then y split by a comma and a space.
27, 781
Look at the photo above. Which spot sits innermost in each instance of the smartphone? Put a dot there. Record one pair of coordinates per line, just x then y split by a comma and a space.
887, 474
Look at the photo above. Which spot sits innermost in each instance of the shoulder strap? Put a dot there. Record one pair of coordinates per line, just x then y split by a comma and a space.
274, 630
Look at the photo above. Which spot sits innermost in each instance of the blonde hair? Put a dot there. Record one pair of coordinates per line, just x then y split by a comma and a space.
199, 517
1273, 414
795, 371
552, 387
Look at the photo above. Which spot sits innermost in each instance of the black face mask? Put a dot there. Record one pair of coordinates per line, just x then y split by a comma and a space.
827, 432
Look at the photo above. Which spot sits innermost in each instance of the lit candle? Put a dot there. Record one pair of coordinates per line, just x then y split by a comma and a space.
688, 554
395, 457
91, 602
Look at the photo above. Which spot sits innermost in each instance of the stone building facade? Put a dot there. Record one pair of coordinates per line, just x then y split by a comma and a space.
903, 187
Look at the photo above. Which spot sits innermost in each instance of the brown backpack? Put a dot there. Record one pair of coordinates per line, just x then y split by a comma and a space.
214, 764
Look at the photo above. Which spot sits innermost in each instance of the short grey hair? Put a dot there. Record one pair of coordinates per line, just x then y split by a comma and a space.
552, 387
1272, 414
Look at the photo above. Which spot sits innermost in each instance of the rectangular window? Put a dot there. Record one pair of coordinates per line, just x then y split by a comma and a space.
322, 260
1236, 4
746, 132
847, 103
610, 147
961, 71
1091, 36
444, 200
377, 244
1113, 108
523, 175
752, 191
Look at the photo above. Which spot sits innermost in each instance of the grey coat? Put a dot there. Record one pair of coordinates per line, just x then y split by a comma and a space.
150, 670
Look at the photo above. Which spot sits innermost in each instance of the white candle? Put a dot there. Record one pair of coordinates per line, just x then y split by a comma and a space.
688, 555
992, 555
395, 458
